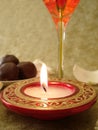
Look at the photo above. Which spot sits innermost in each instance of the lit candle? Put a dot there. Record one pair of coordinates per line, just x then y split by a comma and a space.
51, 89
44, 77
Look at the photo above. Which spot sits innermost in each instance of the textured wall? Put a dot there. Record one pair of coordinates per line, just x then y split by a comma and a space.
27, 30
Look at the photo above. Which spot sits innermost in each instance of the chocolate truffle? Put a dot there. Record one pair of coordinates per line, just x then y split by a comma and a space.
9, 58
26, 70
9, 71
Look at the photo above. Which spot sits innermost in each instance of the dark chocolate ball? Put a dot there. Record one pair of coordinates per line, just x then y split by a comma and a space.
9, 71
9, 58
26, 70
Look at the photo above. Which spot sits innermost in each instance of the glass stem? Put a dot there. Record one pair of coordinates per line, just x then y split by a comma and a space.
61, 33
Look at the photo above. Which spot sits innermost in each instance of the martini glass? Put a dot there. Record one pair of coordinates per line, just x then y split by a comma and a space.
61, 11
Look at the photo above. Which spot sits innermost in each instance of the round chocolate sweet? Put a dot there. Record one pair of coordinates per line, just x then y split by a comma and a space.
26, 70
9, 71
9, 58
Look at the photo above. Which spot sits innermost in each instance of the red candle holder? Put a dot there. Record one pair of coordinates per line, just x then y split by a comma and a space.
80, 98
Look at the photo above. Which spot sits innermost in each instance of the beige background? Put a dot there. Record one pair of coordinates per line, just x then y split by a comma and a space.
27, 31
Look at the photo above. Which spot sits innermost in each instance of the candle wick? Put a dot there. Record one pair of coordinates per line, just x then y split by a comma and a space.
44, 87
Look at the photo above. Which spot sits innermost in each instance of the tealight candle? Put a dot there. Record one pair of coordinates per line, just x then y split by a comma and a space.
55, 90
48, 90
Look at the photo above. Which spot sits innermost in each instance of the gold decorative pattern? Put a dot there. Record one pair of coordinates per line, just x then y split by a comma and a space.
13, 95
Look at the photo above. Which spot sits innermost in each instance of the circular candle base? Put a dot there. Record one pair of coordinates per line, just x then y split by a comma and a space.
16, 98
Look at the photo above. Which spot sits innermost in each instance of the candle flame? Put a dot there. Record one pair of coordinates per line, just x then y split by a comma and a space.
44, 77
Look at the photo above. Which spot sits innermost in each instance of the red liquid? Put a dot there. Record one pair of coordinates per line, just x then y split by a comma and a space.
61, 4
67, 7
